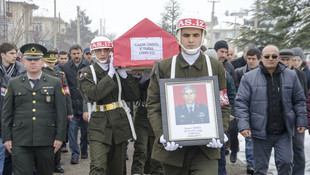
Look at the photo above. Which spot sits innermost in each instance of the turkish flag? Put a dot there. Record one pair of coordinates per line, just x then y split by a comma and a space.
144, 44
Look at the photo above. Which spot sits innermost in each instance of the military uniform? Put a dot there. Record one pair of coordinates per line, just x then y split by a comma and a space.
141, 161
50, 57
108, 130
33, 118
197, 115
179, 157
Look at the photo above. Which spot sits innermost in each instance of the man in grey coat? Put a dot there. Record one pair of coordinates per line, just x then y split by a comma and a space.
270, 103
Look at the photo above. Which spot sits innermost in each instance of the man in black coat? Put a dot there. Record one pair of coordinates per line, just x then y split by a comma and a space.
71, 68
241, 61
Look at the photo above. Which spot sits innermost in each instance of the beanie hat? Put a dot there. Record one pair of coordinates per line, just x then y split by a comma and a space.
220, 44
299, 52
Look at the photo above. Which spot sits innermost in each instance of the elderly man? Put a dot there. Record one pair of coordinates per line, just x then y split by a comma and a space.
266, 111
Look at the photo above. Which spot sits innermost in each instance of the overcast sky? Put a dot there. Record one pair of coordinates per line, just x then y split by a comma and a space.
121, 15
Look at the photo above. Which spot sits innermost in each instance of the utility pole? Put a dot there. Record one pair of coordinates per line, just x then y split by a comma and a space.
55, 26
212, 21
78, 26
100, 33
256, 11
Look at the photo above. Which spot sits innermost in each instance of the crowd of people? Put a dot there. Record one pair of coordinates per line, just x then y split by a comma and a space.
48, 96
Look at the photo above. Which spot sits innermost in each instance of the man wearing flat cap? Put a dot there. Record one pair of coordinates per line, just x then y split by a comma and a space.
299, 160
33, 116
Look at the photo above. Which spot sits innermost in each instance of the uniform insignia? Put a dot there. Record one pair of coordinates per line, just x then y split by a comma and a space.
67, 91
202, 114
48, 99
3, 91
47, 87
63, 91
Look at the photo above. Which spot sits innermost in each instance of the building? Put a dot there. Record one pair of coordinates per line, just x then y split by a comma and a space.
43, 28
20, 22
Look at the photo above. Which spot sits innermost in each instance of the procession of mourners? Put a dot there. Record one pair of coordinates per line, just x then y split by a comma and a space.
181, 111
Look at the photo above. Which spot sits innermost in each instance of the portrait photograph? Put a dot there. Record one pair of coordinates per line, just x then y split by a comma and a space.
191, 111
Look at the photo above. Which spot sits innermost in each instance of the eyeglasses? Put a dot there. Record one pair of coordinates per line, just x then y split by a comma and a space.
272, 56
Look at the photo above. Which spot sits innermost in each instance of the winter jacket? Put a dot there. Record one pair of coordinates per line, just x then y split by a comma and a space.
307, 72
231, 93
71, 70
308, 110
4, 80
239, 62
251, 102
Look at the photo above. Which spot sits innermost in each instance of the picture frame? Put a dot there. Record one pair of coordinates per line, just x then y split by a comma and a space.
191, 110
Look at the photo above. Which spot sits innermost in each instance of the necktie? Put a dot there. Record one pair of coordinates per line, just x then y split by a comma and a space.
191, 112
34, 81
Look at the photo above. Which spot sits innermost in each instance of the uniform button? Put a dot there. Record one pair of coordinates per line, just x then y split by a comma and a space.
45, 90
33, 93
34, 118
19, 93
34, 102
33, 110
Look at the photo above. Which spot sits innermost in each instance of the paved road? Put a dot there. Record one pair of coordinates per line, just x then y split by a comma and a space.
82, 168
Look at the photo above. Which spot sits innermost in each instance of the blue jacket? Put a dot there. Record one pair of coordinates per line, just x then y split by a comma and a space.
251, 102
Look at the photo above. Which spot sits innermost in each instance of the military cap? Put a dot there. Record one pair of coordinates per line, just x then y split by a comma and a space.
287, 53
50, 56
33, 51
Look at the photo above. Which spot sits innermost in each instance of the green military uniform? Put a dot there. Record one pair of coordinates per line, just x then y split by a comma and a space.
33, 118
109, 130
50, 57
141, 161
178, 157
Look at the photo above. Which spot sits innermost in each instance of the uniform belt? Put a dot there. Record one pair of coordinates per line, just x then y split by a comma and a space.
107, 107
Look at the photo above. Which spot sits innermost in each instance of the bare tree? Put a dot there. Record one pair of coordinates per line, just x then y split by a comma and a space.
171, 13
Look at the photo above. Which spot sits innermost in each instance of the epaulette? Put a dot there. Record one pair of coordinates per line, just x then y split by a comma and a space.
155, 70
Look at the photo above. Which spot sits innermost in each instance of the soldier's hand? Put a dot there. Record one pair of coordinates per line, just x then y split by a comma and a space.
246, 133
123, 72
85, 116
215, 143
111, 67
301, 129
169, 146
8, 145
57, 145
70, 117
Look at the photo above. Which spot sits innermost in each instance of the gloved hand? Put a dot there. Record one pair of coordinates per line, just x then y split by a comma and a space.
215, 144
145, 76
169, 146
123, 72
225, 138
112, 69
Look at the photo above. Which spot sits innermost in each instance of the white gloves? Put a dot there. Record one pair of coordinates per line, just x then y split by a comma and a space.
112, 69
169, 146
225, 138
123, 72
215, 144
145, 76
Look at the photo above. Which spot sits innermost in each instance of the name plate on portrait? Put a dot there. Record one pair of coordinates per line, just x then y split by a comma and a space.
191, 110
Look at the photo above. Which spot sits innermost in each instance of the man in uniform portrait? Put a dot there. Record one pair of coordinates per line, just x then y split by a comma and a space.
191, 112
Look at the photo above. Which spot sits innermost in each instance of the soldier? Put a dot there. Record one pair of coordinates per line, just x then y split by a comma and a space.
199, 160
33, 116
191, 112
109, 128
48, 68
141, 160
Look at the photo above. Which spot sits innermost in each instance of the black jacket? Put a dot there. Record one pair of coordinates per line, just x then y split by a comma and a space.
4, 80
71, 70
239, 62
303, 80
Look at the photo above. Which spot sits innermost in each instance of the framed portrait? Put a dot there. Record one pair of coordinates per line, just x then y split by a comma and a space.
191, 110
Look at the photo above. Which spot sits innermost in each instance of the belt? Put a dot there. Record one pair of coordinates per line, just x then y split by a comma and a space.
107, 107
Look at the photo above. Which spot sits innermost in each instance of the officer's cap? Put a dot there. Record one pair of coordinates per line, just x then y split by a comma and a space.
285, 53
33, 51
50, 56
